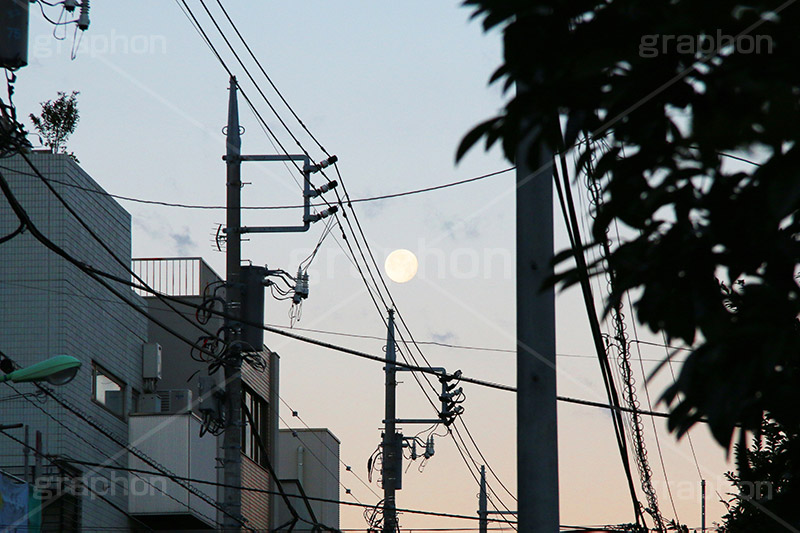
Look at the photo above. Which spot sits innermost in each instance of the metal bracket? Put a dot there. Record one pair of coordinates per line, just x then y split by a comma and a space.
307, 192
416, 421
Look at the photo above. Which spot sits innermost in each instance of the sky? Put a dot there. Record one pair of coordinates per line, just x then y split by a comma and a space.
390, 88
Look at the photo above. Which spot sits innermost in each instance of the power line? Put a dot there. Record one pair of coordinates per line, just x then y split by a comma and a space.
264, 72
94, 273
400, 316
82, 438
622, 346
86, 486
355, 216
271, 207
571, 222
665, 345
252, 79
347, 467
456, 346
354, 335
376, 358
267, 491
88, 270
93, 234
341, 203
320, 461
361, 354
188, 11
122, 443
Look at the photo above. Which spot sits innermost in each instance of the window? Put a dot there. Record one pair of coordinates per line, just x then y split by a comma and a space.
134, 401
259, 411
108, 390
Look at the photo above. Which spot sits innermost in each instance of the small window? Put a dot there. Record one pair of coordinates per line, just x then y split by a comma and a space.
259, 410
108, 390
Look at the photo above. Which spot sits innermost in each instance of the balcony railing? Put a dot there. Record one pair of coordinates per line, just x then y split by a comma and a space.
174, 276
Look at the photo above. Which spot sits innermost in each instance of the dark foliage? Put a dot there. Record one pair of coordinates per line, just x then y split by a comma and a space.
700, 226
765, 483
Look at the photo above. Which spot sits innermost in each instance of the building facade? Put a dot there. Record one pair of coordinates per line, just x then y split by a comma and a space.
92, 447
49, 307
309, 468
193, 281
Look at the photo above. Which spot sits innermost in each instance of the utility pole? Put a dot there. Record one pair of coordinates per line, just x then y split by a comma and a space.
393, 441
483, 510
537, 437
232, 438
244, 305
391, 466
703, 505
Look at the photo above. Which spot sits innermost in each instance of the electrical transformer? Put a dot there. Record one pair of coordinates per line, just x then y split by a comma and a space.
252, 279
14, 34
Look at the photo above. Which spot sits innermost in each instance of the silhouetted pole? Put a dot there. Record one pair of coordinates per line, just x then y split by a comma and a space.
483, 508
537, 438
390, 467
232, 438
703, 505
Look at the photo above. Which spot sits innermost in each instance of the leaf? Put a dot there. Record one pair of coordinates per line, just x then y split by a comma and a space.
482, 129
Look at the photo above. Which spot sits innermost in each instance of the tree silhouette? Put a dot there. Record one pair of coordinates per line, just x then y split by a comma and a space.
765, 483
655, 96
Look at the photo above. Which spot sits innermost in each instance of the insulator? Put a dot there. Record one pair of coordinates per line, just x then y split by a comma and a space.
445, 378
451, 394
323, 214
83, 19
429, 451
323, 164
323, 189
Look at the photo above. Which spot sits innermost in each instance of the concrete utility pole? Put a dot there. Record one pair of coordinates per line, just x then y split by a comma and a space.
703, 505
391, 466
232, 438
483, 508
244, 300
537, 437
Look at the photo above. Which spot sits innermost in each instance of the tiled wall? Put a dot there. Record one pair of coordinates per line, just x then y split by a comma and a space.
49, 307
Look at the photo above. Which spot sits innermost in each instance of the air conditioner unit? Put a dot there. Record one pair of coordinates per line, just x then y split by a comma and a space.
175, 400
149, 403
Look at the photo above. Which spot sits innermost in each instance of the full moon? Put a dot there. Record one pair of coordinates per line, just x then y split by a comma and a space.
401, 266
